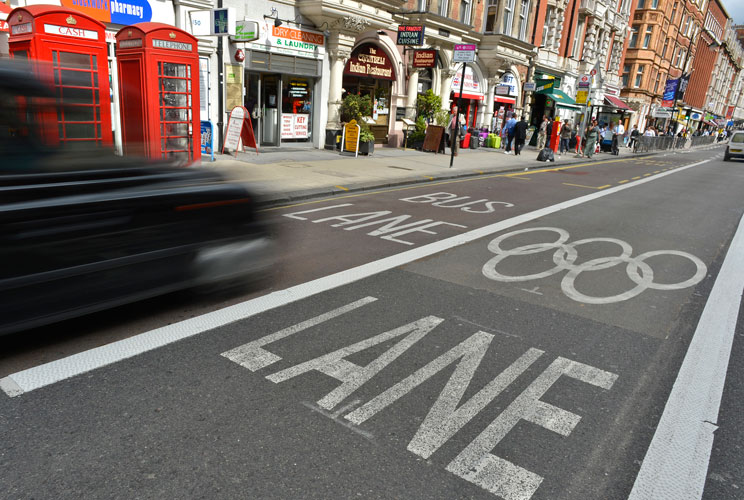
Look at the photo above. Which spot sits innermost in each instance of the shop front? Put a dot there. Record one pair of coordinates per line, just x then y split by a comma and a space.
505, 94
282, 77
369, 71
472, 95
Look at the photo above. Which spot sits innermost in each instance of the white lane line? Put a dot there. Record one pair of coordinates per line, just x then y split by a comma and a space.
61, 369
676, 464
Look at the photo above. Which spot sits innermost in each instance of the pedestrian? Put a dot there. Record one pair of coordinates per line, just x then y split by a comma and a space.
455, 131
565, 137
634, 136
615, 147
520, 135
509, 128
590, 138
541, 134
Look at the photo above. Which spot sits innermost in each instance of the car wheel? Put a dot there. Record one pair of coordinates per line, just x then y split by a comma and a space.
726, 158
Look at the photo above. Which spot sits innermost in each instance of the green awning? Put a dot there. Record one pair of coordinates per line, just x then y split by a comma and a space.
562, 99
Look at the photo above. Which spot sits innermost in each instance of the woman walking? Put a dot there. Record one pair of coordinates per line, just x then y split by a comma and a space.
592, 134
565, 137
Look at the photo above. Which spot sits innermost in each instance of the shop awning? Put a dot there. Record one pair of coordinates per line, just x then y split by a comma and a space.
505, 100
562, 99
466, 95
617, 102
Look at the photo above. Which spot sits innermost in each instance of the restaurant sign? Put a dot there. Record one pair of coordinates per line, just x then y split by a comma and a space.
410, 35
425, 58
370, 61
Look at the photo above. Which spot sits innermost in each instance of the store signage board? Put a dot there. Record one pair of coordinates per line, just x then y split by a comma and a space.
503, 89
124, 12
290, 41
54, 29
472, 85
350, 139
410, 35
245, 31
214, 22
508, 80
294, 126
662, 113
369, 60
239, 129
464, 53
425, 58
530, 86
207, 139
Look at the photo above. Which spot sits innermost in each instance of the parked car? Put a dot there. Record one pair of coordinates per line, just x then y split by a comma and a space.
82, 231
735, 147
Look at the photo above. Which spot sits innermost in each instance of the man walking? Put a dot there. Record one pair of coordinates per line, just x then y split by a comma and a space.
509, 127
520, 134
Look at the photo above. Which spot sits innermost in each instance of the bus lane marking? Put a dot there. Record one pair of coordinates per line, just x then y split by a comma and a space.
30, 379
448, 414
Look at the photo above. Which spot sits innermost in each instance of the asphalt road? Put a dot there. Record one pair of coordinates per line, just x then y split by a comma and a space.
509, 336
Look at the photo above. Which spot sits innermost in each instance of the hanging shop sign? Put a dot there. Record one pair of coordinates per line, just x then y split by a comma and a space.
472, 85
502, 90
529, 86
410, 35
245, 31
370, 60
113, 11
425, 58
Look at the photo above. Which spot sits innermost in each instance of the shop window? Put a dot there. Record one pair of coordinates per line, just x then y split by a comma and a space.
297, 105
626, 75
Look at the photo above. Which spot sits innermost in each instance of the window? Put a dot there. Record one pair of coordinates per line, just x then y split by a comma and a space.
639, 75
641, 4
680, 55
491, 14
656, 85
666, 46
421, 5
647, 38
465, 11
575, 50
443, 8
654, 4
508, 17
633, 36
626, 75
546, 26
674, 12
524, 13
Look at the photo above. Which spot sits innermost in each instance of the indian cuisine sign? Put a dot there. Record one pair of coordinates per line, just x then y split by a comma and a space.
370, 61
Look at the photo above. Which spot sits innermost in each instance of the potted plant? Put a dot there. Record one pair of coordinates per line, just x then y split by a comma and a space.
416, 138
366, 140
427, 105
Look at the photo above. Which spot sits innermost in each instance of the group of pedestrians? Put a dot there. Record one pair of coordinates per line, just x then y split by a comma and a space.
515, 133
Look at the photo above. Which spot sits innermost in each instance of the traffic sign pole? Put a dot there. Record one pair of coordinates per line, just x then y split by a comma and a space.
456, 122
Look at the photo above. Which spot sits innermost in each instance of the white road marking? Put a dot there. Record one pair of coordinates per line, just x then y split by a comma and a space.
254, 357
478, 465
61, 369
353, 376
677, 460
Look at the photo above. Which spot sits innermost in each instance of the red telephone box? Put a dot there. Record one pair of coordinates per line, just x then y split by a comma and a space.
68, 51
159, 91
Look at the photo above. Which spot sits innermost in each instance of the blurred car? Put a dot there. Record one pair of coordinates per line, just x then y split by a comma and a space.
85, 230
735, 148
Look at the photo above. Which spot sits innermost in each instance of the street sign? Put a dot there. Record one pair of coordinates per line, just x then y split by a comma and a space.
582, 96
585, 81
410, 35
661, 113
530, 86
464, 53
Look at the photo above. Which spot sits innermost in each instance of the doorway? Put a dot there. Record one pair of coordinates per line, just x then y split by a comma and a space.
263, 104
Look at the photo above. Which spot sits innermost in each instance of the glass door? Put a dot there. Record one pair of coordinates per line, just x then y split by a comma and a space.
270, 87
253, 102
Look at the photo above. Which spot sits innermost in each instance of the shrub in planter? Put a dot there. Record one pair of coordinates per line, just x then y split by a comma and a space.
366, 140
419, 133
354, 107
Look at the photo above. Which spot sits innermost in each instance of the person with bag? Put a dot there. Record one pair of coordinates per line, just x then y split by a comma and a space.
590, 138
509, 128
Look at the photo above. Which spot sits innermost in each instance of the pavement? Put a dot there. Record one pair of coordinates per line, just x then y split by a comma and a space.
289, 174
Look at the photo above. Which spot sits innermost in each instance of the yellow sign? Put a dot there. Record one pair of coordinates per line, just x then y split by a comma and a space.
581, 96
351, 134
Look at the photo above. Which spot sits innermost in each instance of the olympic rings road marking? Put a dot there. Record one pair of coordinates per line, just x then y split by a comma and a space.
565, 256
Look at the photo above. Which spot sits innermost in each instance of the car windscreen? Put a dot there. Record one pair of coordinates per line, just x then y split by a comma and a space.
738, 138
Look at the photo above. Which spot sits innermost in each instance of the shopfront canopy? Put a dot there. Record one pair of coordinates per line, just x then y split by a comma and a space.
562, 99
617, 102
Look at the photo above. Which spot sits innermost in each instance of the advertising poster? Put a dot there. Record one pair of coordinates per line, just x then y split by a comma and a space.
670, 90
